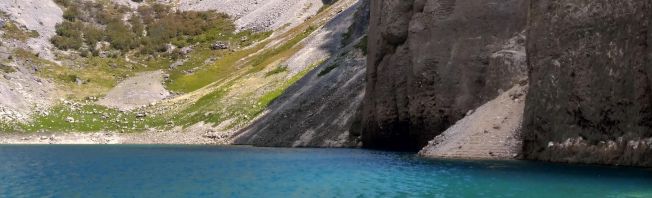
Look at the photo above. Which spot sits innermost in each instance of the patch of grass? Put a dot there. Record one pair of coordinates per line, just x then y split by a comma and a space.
99, 75
282, 51
205, 109
264, 101
6, 68
277, 70
221, 69
7, 127
90, 118
13, 31
327, 69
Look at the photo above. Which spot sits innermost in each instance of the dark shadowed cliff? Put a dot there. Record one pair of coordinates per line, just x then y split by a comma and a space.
430, 62
590, 97
588, 70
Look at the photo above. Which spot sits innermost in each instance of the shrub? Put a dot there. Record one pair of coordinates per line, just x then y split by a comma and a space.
66, 43
92, 35
149, 29
277, 70
71, 13
120, 36
13, 31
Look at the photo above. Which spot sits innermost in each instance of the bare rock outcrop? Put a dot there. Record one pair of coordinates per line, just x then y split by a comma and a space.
590, 98
431, 61
38, 15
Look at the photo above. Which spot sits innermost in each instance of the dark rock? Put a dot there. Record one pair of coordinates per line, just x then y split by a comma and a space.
590, 96
432, 61
318, 111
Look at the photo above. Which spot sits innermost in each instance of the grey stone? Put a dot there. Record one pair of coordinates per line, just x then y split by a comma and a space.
431, 61
220, 45
590, 98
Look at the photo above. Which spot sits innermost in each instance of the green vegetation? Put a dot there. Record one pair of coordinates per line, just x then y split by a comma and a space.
227, 64
264, 101
279, 69
89, 118
284, 50
112, 49
148, 30
13, 31
6, 68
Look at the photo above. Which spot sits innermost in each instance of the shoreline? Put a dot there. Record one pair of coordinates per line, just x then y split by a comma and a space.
100, 138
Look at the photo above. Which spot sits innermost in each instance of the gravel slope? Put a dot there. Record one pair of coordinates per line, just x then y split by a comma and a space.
140, 90
492, 131
259, 15
39, 15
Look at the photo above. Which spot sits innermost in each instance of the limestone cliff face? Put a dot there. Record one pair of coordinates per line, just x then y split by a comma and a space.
431, 61
590, 97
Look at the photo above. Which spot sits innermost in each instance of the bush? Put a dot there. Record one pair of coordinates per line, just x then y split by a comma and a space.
92, 35
66, 43
149, 29
71, 13
120, 36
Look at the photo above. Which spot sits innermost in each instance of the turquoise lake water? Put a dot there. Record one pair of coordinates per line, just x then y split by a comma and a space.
210, 171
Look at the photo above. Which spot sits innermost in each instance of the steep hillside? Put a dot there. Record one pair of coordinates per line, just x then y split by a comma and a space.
321, 109
175, 83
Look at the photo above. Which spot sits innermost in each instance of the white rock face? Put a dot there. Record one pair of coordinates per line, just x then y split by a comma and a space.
39, 15
259, 15
22, 93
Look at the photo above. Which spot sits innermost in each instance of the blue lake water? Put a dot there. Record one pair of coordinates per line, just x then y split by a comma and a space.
211, 171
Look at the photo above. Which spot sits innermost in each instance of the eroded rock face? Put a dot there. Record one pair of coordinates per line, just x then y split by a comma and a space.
590, 96
431, 61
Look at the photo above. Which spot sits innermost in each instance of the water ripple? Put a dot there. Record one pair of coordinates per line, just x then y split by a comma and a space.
208, 171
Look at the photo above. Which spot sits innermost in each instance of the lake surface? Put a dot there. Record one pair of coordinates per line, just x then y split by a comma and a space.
211, 171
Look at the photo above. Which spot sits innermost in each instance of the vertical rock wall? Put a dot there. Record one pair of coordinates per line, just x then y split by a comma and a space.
431, 61
590, 97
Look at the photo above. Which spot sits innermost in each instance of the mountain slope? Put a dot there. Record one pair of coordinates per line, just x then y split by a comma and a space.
213, 92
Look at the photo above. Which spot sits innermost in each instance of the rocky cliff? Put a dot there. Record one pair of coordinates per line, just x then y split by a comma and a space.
320, 109
430, 62
590, 96
588, 69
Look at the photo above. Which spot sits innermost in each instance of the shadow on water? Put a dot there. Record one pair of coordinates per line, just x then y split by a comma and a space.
538, 167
